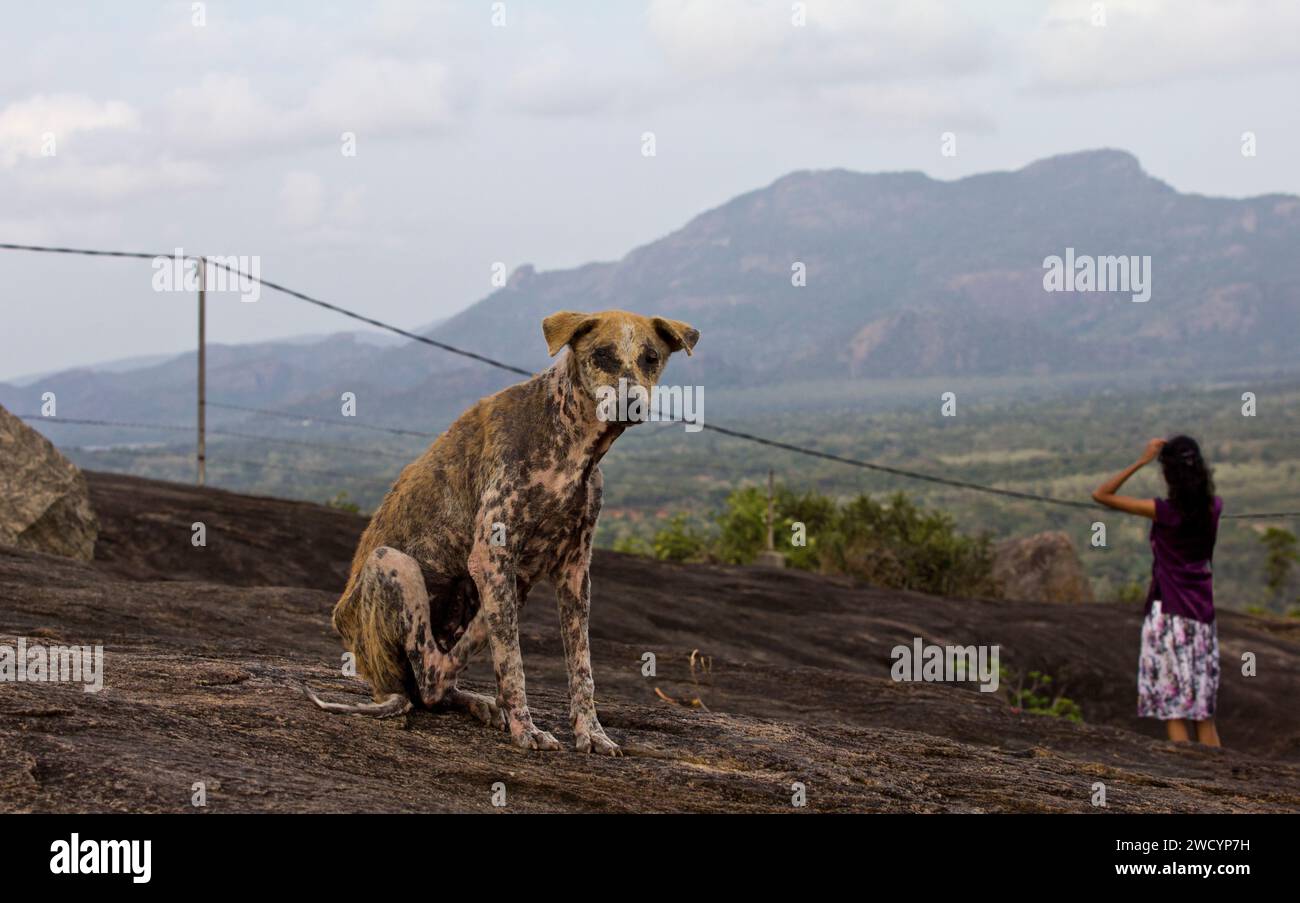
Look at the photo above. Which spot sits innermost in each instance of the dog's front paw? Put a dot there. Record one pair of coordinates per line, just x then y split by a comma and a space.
593, 739
484, 708
531, 737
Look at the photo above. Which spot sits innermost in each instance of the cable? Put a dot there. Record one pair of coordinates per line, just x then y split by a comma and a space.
749, 437
414, 336
781, 445
897, 471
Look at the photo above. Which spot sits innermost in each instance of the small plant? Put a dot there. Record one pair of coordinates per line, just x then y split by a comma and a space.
342, 502
1134, 592
679, 540
632, 544
1039, 697
1280, 546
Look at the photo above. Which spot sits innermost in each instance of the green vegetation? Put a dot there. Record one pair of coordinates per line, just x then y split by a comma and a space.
1034, 693
1057, 436
1281, 555
343, 503
894, 544
1054, 438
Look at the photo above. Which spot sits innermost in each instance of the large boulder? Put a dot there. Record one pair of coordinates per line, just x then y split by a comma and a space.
1040, 568
44, 503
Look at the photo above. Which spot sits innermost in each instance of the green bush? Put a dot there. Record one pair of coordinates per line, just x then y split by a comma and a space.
632, 544
742, 526
893, 544
679, 540
899, 545
1133, 592
1280, 555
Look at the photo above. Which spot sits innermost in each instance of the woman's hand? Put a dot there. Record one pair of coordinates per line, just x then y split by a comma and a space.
1105, 494
1152, 451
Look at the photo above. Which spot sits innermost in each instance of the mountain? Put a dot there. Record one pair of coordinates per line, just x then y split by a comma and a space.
906, 276
910, 276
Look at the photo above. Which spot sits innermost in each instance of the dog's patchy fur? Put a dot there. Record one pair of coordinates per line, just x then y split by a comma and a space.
508, 496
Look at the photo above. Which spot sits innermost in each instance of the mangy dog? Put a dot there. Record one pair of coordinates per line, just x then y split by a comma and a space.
508, 496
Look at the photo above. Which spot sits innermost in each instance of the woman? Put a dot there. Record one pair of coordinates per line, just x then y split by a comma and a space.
1178, 671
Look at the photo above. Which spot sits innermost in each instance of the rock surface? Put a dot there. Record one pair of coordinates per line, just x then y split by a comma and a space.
762, 679
1040, 568
44, 502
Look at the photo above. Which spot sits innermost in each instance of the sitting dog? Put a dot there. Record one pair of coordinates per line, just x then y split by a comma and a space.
508, 496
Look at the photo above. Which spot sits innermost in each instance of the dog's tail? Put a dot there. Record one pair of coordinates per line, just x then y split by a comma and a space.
393, 704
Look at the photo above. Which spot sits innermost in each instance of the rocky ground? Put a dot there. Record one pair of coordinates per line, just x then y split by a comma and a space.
789, 682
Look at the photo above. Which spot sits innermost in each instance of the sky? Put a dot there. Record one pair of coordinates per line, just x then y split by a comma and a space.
387, 155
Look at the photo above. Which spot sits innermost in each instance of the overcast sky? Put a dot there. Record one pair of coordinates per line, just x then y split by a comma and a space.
478, 143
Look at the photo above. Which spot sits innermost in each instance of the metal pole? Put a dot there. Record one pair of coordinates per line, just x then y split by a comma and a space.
203, 462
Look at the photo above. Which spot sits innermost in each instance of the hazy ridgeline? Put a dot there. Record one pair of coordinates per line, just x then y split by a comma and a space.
1057, 437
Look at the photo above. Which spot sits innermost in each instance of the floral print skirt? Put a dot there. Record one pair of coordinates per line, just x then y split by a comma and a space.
1178, 671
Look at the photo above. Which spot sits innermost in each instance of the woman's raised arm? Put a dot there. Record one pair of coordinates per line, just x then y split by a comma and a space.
1105, 493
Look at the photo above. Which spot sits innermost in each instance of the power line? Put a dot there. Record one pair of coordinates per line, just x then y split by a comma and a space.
749, 437
414, 336
897, 471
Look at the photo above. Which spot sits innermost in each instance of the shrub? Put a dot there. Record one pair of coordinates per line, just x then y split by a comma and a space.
900, 546
1039, 698
1280, 546
679, 540
895, 544
343, 502
892, 544
1133, 592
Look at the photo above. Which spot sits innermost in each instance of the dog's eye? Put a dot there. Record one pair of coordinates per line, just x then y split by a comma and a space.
605, 358
649, 359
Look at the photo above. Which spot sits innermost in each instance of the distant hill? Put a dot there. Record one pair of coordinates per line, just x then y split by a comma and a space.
907, 276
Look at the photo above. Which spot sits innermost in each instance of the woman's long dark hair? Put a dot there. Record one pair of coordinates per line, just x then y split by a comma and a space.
1191, 487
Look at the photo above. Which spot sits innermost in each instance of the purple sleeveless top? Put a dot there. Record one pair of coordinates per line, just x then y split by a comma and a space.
1181, 576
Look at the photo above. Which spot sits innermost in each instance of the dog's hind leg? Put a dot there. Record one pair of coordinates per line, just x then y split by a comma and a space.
389, 632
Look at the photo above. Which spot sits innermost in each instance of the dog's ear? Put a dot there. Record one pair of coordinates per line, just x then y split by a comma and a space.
562, 328
679, 336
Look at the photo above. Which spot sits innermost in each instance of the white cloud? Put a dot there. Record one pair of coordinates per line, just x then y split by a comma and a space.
220, 112
82, 181
302, 199
24, 123
905, 106
881, 61
381, 96
1151, 41
554, 83
841, 40
318, 216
